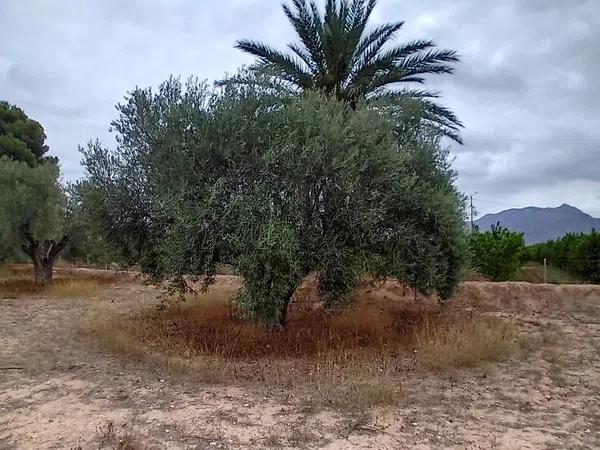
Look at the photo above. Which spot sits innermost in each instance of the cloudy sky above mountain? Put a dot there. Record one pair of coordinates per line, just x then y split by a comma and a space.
527, 90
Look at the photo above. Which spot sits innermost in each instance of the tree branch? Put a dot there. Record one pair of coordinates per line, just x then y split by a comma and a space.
56, 248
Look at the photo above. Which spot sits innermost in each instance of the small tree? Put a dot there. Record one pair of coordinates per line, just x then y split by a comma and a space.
32, 207
497, 253
86, 243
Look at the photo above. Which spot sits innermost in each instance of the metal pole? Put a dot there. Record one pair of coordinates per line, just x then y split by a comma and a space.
471, 197
545, 272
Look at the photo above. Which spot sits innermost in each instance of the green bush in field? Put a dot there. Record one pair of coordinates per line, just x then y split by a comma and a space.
497, 253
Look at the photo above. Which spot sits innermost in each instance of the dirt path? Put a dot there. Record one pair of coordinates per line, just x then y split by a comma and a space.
68, 393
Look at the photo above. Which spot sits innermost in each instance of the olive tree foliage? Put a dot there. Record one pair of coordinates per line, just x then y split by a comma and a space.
337, 195
278, 189
32, 213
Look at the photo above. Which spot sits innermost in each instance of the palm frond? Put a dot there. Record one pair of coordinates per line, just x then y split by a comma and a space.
432, 116
429, 62
390, 95
401, 52
261, 80
371, 44
287, 66
303, 54
306, 23
372, 63
440, 114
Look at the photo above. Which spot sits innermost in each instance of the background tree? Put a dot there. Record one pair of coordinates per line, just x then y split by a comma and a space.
86, 243
497, 253
32, 208
21, 138
339, 55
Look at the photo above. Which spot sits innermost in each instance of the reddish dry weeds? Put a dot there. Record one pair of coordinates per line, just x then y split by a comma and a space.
214, 328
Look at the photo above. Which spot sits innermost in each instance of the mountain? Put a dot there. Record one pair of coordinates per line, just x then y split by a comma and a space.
542, 224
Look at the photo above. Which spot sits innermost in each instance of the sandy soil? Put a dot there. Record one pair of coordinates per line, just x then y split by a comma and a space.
67, 391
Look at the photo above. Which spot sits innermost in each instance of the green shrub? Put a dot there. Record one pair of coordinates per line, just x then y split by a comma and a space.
497, 253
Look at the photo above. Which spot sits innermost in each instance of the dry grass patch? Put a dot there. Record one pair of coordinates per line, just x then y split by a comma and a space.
352, 359
14, 271
465, 343
17, 281
59, 288
76, 287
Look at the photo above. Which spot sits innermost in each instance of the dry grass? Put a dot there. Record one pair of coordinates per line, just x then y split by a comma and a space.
59, 288
16, 281
350, 360
466, 343
14, 271
533, 272
76, 287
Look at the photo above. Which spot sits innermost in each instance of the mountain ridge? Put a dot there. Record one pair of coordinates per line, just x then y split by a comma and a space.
541, 224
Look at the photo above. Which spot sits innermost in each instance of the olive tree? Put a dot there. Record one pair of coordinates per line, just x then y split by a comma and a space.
32, 209
278, 189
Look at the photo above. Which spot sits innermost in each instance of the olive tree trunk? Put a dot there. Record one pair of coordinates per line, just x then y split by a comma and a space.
43, 254
284, 307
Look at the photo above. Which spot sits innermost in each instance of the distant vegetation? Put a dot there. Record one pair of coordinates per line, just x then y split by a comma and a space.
533, 272
497, 254
578, 254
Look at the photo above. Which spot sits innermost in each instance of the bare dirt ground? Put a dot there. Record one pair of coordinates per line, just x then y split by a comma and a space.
67, 393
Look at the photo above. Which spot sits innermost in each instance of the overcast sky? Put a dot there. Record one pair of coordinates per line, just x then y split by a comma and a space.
527, 89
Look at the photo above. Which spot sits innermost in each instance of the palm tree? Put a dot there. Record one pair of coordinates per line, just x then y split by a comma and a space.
337, 54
